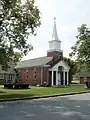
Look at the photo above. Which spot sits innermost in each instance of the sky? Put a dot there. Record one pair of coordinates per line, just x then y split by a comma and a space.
69, 14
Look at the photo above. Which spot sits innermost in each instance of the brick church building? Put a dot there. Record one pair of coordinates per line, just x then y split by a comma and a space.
50, 69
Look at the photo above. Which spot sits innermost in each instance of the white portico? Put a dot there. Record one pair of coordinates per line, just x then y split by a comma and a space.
60, 74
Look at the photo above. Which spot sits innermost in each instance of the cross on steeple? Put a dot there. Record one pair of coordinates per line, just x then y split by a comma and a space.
54, 19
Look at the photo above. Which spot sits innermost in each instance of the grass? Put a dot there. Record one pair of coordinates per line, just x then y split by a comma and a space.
38, 91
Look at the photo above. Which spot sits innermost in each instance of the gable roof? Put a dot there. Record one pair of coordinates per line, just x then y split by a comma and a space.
34, 62
60, 63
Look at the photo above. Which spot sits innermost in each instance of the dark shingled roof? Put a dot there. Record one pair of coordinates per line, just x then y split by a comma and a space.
34, 62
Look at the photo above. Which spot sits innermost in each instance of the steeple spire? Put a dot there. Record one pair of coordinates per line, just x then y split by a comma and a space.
54, 35
55, 43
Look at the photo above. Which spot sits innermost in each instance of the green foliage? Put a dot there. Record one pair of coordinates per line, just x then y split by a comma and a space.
16, 57
73, 67
81, 50
72, 64
18, 20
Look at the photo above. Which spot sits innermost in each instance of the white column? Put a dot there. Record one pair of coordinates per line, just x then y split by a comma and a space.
67, 79
63, 77
56, 78
52, 78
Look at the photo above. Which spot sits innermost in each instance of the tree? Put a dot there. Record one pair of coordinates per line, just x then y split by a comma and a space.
18, 20
16, 58
73, 67
81, 50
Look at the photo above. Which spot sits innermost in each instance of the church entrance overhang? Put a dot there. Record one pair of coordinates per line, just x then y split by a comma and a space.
59, 74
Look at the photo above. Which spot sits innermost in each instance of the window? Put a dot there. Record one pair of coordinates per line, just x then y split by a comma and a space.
34, 69
26, 74
35, 73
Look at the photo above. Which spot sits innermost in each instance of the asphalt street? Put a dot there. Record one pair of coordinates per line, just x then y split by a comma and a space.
76, 107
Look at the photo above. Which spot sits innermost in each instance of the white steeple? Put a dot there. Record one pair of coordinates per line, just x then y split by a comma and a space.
55, 43
54, 35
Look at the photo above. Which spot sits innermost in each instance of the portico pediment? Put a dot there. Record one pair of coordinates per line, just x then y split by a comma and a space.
63, 64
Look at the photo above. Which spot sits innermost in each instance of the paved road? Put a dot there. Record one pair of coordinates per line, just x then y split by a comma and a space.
75, 107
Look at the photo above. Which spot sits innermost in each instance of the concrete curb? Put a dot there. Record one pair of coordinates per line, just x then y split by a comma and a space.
45, 96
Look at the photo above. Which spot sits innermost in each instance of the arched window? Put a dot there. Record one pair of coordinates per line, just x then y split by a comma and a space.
60, 68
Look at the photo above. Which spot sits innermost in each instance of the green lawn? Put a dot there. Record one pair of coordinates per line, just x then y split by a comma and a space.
38, 91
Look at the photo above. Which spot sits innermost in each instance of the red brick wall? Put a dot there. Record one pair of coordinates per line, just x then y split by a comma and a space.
22, 76
31, 80
45, 74
53, 53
